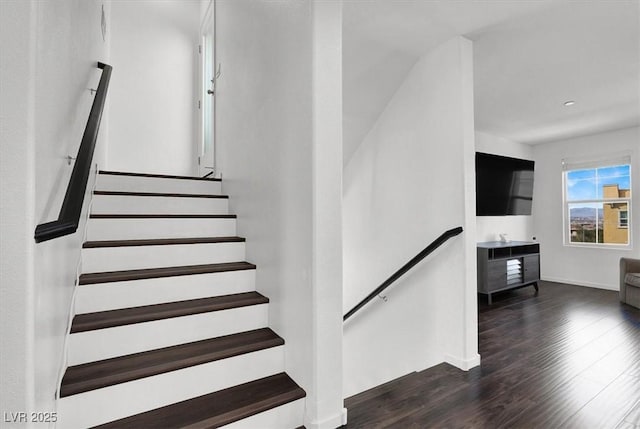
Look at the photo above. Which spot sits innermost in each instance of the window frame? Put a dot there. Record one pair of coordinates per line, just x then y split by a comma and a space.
594, 164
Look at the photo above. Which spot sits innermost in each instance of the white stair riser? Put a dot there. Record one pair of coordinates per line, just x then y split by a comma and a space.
130, 229
288, 416
126, 399
127, 204
109, 182
101, 259
106, 343
135, 293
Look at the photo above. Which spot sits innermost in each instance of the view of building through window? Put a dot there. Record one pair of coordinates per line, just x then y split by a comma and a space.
597, 202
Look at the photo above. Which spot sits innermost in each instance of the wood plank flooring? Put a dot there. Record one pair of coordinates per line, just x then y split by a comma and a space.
568, 357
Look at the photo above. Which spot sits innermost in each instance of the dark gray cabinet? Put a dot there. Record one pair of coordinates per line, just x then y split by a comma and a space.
504, 266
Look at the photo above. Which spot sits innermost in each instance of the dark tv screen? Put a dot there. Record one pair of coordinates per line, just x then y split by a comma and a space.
504, 186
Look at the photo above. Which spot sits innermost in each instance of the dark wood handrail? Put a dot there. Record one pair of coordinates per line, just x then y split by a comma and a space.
69, 217
395, 276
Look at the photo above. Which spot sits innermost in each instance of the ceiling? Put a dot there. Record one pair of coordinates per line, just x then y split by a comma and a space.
529, 58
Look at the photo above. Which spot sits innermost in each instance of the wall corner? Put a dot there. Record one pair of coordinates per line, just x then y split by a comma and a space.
325, 400
470, 350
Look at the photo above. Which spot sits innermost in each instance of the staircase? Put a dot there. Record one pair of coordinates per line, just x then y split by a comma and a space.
169, 330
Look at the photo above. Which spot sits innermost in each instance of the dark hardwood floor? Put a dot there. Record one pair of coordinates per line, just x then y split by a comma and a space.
566, 357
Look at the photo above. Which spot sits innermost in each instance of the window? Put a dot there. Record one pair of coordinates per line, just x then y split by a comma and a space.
597, 202
623, 219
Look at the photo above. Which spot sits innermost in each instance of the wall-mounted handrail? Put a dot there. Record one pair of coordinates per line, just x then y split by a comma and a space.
395, 276
69, 217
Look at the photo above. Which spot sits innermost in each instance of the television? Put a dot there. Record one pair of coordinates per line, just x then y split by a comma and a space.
504, 186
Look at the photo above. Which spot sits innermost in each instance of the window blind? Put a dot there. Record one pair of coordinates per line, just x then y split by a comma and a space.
594, 162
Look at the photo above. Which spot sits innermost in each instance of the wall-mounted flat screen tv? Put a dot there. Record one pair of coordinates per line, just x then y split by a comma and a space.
504, 186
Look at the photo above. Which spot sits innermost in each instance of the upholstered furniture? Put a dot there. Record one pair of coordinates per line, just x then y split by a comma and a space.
630, 281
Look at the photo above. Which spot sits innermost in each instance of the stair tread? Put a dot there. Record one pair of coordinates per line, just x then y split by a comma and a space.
96, 375
147, 313
158, 176
157, 216
149, 273
158, 194
160, 242
219, 408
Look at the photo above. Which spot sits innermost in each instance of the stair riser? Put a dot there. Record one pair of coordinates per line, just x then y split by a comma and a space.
107, 182
131, 229
285, 416
122, 400
120, 204
138, 337
135, 293
137, 257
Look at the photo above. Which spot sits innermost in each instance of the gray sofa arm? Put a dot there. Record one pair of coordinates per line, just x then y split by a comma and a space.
627, 265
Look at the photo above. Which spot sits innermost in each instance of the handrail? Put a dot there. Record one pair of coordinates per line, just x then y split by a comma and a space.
69, 217
395, 276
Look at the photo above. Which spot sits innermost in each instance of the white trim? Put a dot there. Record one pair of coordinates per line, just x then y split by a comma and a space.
206, 40
331, 422
127, 204
148, 228
581, 283
99, 259
108, 182
600, 201
135, 293
600, 246
207, 14
462, 363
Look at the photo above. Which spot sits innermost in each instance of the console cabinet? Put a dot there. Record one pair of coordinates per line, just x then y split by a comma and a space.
503, 266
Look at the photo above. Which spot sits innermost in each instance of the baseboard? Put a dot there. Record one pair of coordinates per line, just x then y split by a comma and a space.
463, 364
332, 422
581, 283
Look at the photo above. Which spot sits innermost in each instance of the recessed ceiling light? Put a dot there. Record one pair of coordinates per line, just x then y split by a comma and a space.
569, 103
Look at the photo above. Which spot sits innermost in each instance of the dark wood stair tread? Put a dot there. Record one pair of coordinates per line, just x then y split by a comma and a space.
96, 375
160, 216
126, 316
158, 176
150, 273
218, 408
160, 242
158, 194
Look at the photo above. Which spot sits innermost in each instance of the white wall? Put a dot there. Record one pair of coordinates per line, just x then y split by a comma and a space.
277, 139
410, 180
46, 86
17, 196
325, 402
517, 227
267, 85
153, 104
595, 267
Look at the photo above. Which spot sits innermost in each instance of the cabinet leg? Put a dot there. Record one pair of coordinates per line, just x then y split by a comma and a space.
489, 299
535, 285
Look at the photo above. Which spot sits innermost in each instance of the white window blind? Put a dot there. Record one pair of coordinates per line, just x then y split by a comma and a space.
594, 162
